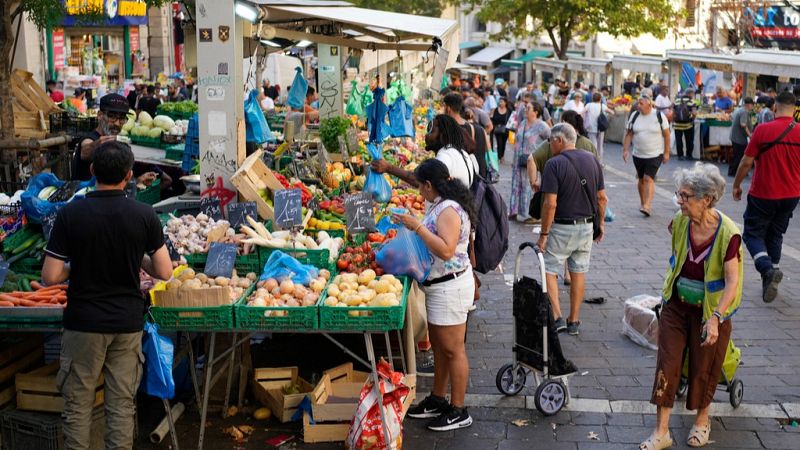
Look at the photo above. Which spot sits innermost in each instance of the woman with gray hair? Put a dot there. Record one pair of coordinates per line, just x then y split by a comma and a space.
702, 290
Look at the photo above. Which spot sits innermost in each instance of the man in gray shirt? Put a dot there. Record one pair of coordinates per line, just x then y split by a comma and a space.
481, 116
741, 130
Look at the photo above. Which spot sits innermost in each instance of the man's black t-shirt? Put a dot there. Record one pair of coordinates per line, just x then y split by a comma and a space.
132, 96
80, 168
271, 92
560, 177
104, 237
477, 134
149, 104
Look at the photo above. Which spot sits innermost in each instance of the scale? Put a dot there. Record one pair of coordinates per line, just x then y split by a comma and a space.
180, 205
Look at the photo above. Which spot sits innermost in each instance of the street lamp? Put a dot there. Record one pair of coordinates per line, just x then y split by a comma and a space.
246, 11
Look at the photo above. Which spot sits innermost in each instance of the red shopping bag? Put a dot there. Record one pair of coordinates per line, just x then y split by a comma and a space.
366, 428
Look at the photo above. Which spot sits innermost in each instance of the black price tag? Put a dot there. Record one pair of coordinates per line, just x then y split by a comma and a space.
238, 212
130, 190
352, 141
3, 271
313, 204
210, 206
47, 224
288, 208
360, 215
221, 259
173, 254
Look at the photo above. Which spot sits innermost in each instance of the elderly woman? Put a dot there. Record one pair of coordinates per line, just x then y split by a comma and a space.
702, 290
530, 133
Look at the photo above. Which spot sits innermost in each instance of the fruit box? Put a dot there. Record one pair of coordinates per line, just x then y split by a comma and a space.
268, 389
336, 396
193, 298
37, 391
252, 177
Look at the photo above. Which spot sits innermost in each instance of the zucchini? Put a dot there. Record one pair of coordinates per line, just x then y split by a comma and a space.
25, 245
26, 285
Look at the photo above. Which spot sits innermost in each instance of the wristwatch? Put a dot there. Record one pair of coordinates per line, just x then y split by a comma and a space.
718, 316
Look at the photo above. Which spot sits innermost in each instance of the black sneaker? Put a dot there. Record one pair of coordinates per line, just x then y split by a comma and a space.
769, 284
572, 328
561, 325
431, 406
426, 365
680, 158
452, 419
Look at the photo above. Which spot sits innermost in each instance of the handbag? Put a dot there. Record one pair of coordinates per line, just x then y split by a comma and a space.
596, 232
535, 207
602, 122
500, 129
522, 159
511, 123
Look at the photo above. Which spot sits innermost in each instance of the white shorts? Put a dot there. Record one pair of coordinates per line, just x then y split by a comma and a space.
448, 303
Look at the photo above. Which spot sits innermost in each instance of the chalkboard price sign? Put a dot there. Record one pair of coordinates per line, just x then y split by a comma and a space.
210, 206
3, 271
221, 259
173, 254
47, 224
238, 212
360, 215
288, 208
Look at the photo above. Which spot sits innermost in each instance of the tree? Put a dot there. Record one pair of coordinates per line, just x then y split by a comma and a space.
564, 20
431, 8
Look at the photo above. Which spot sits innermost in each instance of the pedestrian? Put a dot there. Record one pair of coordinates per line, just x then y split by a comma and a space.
695, 319
774, 191
741, 131
567, 219
111, 117
531, 132
270, 90
512, 90
148, 102
99, 245
482, 117
663, 103
648, 130
722, 102
576, 103
593, 111
453, 106
449, 290
55, 94
683, 115
500, 117
767, 111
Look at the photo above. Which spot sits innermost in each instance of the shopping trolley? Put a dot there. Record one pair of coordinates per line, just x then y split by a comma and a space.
536, 346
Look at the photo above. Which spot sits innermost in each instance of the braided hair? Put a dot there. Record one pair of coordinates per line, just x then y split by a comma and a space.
576, 120
436, 172
450, 132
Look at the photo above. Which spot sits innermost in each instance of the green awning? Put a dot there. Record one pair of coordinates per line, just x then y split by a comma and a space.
469, 44
511, 63
533, 54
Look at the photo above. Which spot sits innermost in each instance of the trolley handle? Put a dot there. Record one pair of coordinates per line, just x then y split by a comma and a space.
539, 257
531, 245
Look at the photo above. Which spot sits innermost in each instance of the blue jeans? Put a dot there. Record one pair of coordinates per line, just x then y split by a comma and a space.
765, 222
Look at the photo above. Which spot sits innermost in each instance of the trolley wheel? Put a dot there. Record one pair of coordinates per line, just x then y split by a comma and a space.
550, 397
510, 380
736, 391
683, 386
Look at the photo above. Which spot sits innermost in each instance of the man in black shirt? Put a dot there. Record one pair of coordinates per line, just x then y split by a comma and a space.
149, 102
133, 95
110, 119
99, 244
270, 90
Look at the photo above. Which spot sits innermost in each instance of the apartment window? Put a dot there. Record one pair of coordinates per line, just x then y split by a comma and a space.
691, 12
480, 27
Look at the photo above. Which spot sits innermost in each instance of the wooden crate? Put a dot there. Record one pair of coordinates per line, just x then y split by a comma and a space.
267, 389
19, 353
252, 178
32, 106
37, 391
324, 432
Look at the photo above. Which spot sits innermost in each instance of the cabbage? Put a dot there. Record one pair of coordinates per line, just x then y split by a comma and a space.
155, 132
145, 119
124, 132
131, 114
163, 122
129, 125
140, 131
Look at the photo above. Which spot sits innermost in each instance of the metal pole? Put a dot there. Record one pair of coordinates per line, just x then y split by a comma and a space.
172, 431
206, 390
193, 369
377, 387
231, 363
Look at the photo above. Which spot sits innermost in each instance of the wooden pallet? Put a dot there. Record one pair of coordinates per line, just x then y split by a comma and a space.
37, 391
19, 353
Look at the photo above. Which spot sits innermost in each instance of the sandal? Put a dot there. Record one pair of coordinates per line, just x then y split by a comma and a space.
698, 435
645, 211
656, 442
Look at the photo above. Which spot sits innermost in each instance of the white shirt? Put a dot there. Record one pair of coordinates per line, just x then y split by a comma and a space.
648, 139
593, 111
267, 104
455, 162
572, 105
663, 103
552, 91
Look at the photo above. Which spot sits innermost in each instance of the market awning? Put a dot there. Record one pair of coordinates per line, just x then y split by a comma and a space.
532, 55
702, 59
469, 44
512, 63
488, 56
596, 65
646, 64
768, 62
504, 69
551, 65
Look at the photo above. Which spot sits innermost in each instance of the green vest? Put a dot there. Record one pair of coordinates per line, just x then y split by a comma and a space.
714, 264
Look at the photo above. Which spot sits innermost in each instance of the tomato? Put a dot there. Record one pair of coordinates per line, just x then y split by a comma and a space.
358, 259
342, 264
391, 233
349, 250
378, 271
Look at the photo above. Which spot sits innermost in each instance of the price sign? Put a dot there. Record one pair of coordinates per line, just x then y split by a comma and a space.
322, 155
173, 254
130, 190
343, 148
313, 204
3, 271
238, 212
210, 206
360, 215
288, 208
47, 224
352, 140
221, 259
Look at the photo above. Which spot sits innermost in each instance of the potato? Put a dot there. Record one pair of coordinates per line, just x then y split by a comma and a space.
202, 277
331, 301
245, 283
366, 276
325, 273
252, 276
333, 290
354, 313
186, 274
173, 284
317, 285
221, 281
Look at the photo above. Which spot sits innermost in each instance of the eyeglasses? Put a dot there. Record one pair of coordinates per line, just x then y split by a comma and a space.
683, 196
117, 117
430, 126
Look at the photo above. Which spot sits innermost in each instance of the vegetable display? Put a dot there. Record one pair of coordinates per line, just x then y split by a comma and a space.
285, 293
40, 296
186, 107
188, 279
364, 289
357, 259
190, 234
259, 235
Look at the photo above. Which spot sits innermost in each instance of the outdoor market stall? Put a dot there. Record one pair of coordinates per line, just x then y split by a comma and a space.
757, 64
556, 67
634, 65
596, 71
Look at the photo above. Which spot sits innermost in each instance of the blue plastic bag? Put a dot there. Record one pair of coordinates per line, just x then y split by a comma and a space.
610, 216
401, 124
158, 351
297, 93
376, 117
376, 183
406, 254
256, 124
281, 266
385, 224
35, 208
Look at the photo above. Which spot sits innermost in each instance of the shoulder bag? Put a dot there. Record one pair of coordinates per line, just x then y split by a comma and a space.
596, 232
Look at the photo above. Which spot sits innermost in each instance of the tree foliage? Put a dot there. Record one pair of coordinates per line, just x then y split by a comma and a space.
564, 20
431, 8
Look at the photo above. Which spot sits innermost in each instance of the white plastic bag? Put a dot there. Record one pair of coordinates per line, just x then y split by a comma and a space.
639, 320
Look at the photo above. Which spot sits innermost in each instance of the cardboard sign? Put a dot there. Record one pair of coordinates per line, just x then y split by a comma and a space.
47, 224
288, 208
210, 206
3, 271
360, 215
221, 259
238, 212
173, 254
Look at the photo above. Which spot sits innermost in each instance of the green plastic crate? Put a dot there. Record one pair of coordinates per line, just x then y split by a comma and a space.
317, 258
216, 318
146, 141
381, 318
150, 195
174, 152
243, 265
252, 318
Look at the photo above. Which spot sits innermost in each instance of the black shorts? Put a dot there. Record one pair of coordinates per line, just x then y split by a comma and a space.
647, 166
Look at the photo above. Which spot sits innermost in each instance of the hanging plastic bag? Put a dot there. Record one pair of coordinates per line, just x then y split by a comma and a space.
385, 224
297, 93
610, 216
355, 104
256, 125
367, 99
376, 117
36, 208
406, 254
367, 428
375, 183
158, 351
401, 124
281, 266
492, 167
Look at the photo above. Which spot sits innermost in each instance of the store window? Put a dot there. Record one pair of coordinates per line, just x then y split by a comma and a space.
691, 12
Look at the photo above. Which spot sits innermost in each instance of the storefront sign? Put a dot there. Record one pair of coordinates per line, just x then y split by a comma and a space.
775, 25
134, 37
116, 12
58, 48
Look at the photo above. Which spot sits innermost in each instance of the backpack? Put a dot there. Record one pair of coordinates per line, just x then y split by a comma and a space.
635, 115
682, 113
602, 121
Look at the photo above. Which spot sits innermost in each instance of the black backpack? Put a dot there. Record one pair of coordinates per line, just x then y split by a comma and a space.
681, 112
635, 115
602, 122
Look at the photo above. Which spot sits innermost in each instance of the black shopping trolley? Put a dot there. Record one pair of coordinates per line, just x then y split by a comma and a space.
536, 346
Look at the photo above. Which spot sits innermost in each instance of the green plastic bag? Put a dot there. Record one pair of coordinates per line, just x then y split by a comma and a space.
398, 88
355, 104
492, 166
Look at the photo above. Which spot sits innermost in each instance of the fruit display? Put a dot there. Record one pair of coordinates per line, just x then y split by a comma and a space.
357, 259
409, 199
274, 293
362, 290
319, 224
336, 175
188, 279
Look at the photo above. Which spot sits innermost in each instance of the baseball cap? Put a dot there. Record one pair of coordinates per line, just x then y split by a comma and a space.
114, 103
646, 93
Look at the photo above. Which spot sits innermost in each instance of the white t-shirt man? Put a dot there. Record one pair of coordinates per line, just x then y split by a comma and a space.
552, 91
578, 107
663, 103
648, 137
267, 104
455, 160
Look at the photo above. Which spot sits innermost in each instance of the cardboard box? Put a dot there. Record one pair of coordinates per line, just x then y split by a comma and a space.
268, 389
194, 298
37, 391
252, 177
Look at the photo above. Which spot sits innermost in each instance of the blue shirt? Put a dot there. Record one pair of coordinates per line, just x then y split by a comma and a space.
724, 103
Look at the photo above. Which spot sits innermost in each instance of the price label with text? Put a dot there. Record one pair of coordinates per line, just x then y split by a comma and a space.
221, 260
47, 224
288, 208
210, 206
238, 212
360, 213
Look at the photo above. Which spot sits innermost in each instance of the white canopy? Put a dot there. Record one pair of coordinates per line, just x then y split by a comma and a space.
768, 62
488, 56
646, 64
587, 64
551, 65
703, 59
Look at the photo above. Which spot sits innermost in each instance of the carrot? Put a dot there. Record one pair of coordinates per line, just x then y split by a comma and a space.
49, 291
41, 298
56, 286
36, 285
25, 302
6, 303
8, 298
